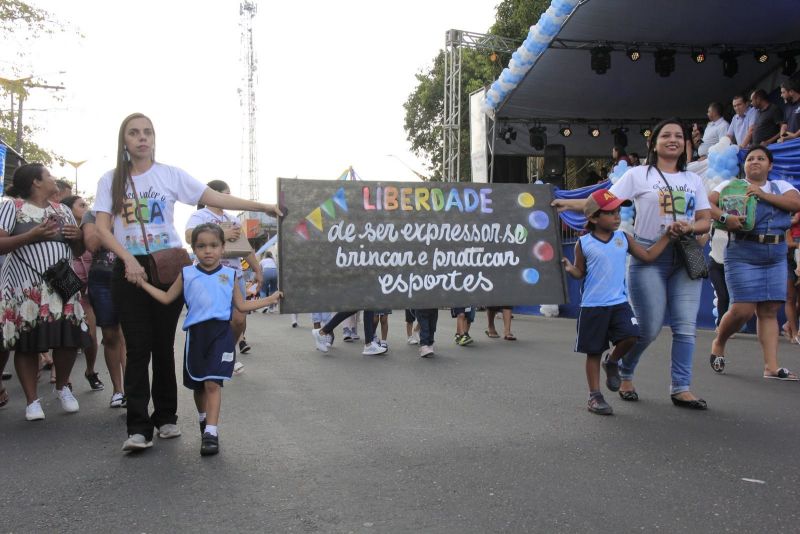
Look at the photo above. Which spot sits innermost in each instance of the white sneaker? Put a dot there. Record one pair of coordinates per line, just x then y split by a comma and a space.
425, 351
33, 411
373, 349
68, 401
116, 400
329, 340
136, 442
238, 368
168, 431
320, 340
413, 340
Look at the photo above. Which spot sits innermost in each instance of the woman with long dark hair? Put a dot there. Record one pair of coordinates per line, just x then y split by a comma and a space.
667, 198
755, 262
137, 199
36, 233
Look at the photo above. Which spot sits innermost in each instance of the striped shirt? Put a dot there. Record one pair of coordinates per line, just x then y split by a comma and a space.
16, 218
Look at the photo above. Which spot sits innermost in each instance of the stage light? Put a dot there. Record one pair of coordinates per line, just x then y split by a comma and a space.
730, 65
538, 137
594, 131
698, 55
646, 132
620, 136
566, 131
665, 62
601, 59
508, 134
633, 53
789, 62
760, 55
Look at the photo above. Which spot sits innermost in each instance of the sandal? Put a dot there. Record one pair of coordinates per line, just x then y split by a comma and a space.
492, 335
630, 396
783, 374
510, 337
3, 397
717, 363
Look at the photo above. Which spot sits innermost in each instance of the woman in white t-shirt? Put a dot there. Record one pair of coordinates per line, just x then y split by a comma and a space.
667, 198
755, 262
148, 327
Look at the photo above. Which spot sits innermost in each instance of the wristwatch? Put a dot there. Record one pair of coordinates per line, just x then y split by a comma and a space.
723, 218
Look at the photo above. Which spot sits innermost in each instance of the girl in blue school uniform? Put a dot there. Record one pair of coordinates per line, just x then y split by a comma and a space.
210, 351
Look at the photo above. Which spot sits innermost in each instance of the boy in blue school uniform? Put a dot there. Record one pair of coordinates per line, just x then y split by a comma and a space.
605, 315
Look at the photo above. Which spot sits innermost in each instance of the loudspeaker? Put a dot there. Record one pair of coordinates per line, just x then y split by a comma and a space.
555, 160
510, 169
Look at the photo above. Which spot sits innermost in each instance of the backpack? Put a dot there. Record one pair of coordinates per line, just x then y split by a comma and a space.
733, 200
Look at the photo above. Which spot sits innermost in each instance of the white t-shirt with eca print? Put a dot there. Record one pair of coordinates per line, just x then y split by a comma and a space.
158, 188
651, 198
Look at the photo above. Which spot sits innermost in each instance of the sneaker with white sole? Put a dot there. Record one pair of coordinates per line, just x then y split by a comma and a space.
425, 351
238, 368
329, 339
413, 340
68, 401
319, 340
168, 431
373, 349
136, 442
117, 400
34, 412
346, 335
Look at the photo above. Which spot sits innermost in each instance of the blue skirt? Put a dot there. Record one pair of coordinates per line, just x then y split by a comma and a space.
755, 272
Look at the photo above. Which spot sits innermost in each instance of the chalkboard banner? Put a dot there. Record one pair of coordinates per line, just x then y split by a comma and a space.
346, 246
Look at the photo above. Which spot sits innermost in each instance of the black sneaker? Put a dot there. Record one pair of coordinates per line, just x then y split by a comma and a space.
599, 406
94, 382
244, 348
209, 445
457, 339
613, 380
202, 427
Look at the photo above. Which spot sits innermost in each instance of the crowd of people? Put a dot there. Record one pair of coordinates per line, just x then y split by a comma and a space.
68, 268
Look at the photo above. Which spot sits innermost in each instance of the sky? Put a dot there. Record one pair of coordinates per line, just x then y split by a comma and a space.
332, 80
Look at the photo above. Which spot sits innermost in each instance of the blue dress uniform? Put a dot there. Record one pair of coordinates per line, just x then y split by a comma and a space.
210, 350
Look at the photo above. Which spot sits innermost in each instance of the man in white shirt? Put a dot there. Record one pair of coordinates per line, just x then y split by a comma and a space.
717, 128
745, 116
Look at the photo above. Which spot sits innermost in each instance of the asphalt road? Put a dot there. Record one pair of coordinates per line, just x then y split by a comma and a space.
494, 437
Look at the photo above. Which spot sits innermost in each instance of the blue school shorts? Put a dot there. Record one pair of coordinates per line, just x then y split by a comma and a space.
600, 325
209, 353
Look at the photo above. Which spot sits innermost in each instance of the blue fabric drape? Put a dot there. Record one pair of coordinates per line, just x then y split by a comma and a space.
574, 219
787, 161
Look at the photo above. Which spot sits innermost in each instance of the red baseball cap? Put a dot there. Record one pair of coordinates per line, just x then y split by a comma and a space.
603, 200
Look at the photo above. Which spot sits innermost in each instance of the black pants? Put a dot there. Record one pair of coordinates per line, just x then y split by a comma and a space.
369, 323
427, 325
149, 330
716, 273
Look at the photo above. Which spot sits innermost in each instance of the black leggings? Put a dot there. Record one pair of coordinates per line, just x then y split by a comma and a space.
369, 324
149, 330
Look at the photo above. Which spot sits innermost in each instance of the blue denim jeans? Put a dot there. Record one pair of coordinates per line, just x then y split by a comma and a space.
654, 289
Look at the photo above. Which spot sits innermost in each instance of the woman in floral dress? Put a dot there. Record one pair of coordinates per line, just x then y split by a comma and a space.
35, 234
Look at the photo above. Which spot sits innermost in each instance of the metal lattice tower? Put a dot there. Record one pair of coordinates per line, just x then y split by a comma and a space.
247, 12
455, 41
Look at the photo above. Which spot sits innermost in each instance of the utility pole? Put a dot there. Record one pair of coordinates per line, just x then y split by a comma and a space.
20, 88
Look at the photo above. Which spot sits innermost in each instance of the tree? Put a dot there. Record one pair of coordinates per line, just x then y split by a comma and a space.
20, 22
425, 105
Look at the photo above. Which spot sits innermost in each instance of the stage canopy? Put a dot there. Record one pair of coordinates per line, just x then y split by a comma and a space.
562, 89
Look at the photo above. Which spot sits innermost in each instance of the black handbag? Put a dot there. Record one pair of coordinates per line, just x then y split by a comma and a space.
689, 250
60, 277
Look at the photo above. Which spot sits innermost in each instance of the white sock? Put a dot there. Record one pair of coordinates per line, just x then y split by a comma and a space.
211, 429
201, 416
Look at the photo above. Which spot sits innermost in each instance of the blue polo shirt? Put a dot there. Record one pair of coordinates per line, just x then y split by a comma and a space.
740, 124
